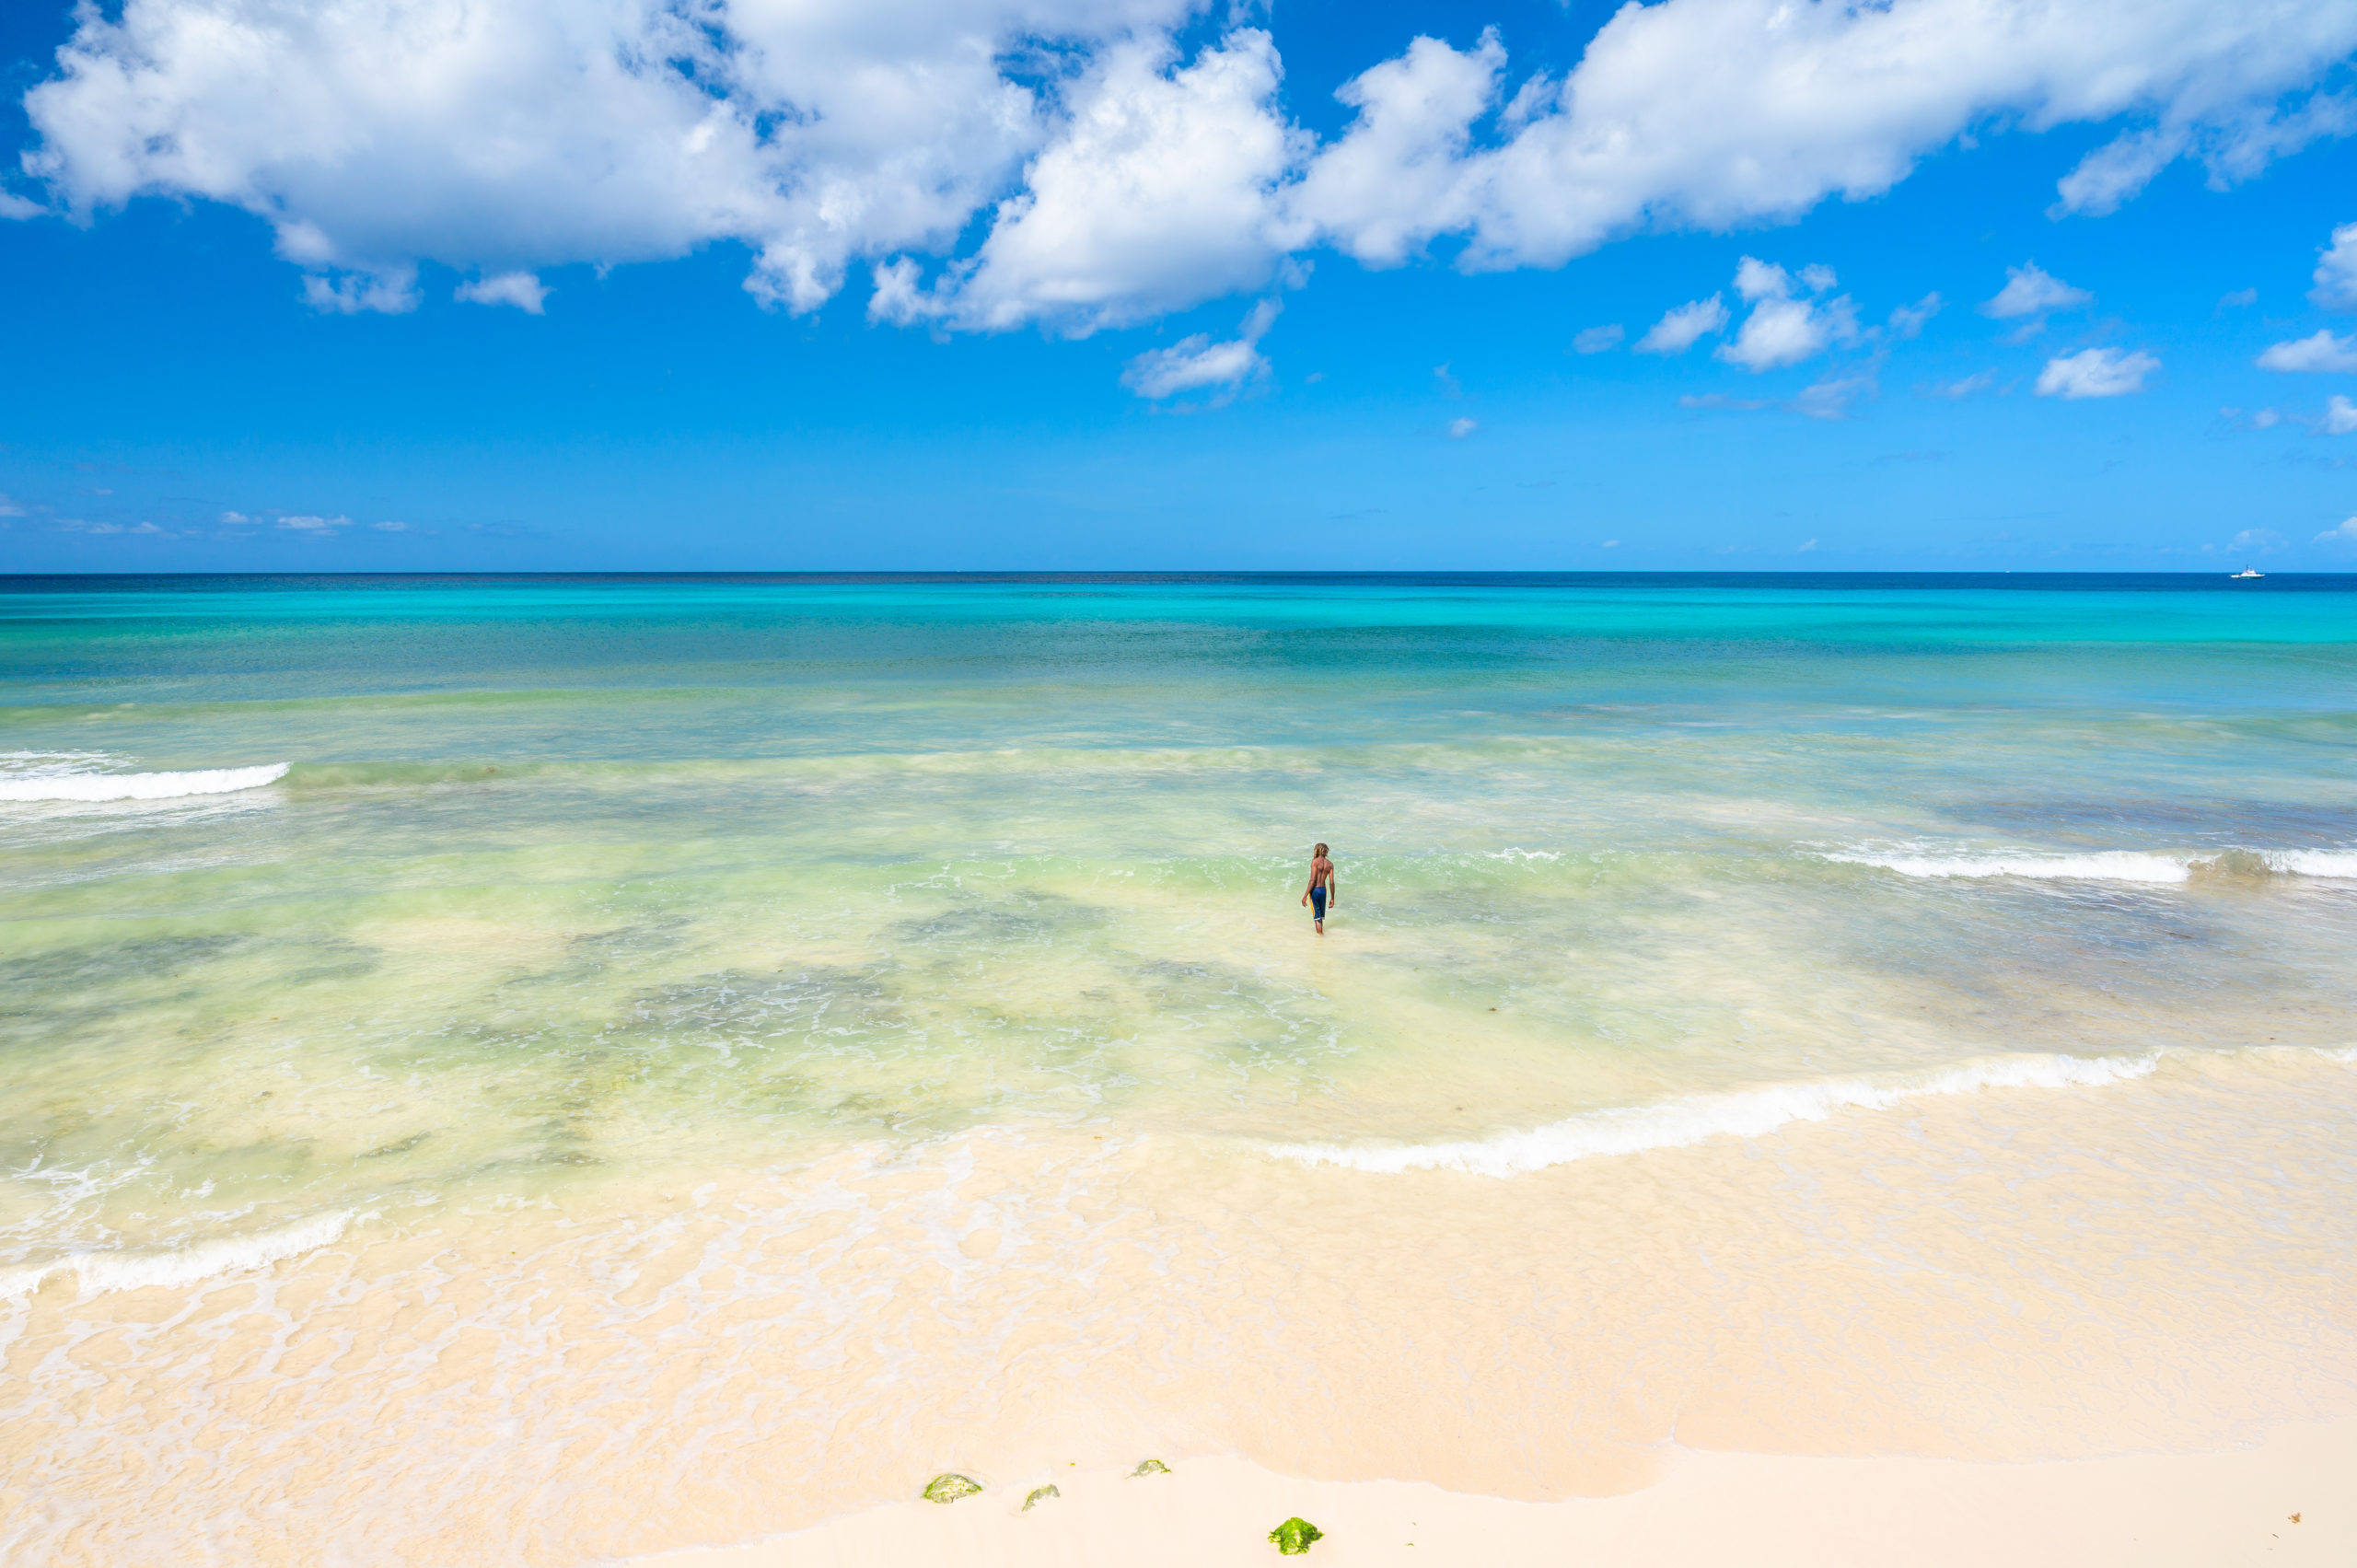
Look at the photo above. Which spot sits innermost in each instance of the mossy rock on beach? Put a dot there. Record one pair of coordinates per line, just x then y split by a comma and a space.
1292, 1536
949, 1486
1040, 1494
1149, 1467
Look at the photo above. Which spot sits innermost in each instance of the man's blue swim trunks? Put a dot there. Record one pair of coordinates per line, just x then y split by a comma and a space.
1317, 904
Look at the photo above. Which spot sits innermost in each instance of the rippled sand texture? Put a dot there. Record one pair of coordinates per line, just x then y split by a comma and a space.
669, 1063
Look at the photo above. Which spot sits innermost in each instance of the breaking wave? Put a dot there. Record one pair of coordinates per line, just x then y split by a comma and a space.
2312, 862
46, 785
183, 1266
1751, 1113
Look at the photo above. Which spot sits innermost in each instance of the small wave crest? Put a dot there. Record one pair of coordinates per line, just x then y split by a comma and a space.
2340, 862
183, 1266
2107, 866
2102, 865
1677, 1123
32, 785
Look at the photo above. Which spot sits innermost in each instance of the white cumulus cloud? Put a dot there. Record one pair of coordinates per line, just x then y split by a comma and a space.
1396, 176
2030, 290
1600, 339
522, 290
1195, 363
2318, 351
2095, 373
1715, 114
1783, 328
503, 135
2345, 534
1066, 163
1678, 331
2336, 276
1161, 193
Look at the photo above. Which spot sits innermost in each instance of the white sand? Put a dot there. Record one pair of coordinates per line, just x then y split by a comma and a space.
2012, 1284
2148, 1511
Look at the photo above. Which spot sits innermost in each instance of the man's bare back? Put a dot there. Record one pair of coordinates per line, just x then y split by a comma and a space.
1321, 890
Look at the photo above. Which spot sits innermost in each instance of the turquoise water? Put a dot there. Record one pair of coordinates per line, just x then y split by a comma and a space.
578, 880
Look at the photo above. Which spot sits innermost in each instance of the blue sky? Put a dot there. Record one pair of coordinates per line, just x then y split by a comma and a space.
186, 391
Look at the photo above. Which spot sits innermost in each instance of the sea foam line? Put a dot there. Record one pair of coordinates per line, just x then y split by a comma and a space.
140, 787
102, 1272
1674, 1124
2102, 865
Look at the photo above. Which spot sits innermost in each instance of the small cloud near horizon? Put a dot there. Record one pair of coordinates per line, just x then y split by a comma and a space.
2320, 351
2095, 373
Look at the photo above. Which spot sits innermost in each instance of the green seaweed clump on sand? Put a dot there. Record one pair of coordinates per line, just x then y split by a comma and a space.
1149, 1467
1040, 1494
1292, 1536
949, 1486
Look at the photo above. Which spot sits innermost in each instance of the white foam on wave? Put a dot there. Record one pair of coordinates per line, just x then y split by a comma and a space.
2102, 865
183, 1266
97, 786
1752, 1114
2312, 862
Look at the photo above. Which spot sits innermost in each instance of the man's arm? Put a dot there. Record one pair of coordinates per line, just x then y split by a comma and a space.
1333, 886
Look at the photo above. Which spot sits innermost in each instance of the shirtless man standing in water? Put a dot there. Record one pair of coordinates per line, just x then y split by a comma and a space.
1321, 890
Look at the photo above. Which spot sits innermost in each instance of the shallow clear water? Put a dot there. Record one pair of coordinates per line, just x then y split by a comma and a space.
568, 878
534, 1072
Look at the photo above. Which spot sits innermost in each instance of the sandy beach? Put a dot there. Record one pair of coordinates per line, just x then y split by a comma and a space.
2039, 1321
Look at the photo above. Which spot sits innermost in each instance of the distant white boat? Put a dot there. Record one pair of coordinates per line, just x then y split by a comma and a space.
2249, 572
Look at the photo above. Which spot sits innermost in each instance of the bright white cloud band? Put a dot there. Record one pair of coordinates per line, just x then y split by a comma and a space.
1117, 179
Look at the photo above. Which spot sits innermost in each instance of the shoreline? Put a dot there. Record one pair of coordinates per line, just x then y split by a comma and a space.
2009, 1285
1707, 1509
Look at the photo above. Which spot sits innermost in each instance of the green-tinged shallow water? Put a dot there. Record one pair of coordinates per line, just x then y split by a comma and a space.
575, 878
